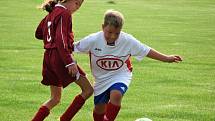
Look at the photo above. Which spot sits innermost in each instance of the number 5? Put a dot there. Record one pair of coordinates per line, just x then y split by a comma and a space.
49, 31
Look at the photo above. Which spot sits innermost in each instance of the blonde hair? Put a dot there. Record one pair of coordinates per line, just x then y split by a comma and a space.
113, 18
48, 5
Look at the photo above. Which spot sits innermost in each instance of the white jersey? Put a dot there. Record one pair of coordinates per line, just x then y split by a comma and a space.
111, 64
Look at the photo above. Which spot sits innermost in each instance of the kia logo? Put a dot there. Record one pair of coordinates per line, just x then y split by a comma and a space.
109, 64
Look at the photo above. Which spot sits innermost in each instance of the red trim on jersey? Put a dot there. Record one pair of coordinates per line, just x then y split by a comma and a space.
129, 65
90, 60
91, 63
110, 55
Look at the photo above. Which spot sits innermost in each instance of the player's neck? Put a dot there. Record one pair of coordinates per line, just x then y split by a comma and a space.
111, 43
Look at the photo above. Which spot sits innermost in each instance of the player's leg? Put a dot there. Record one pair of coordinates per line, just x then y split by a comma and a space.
86, 88
55, 97
79, 100
44, 110
114, 105
100, 102
99, 112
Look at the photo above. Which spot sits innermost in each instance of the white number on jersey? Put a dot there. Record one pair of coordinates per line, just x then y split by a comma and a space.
49, 31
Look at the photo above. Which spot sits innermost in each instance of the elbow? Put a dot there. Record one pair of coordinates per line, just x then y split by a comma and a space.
39, 36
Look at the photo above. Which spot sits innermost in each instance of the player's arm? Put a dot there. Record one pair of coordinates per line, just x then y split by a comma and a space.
84, 45
62, 42
140, 50
162, 57
39, 30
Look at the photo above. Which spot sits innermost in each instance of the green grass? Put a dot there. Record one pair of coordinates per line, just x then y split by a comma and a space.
160, 91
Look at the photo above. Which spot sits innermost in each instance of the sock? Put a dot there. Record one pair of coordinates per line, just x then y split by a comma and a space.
111, 112
77, 103
42, 113
98, 117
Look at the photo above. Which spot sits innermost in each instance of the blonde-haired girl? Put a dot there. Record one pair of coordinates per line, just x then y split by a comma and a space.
59, 66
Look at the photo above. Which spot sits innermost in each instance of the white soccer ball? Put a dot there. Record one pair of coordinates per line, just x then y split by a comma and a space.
143, 119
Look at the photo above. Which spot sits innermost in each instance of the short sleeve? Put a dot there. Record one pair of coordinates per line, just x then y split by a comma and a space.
85, 44
39, 30
138, 49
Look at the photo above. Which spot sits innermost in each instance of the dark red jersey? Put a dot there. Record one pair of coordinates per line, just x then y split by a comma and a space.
56, 32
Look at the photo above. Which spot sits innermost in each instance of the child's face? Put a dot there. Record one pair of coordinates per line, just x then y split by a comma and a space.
74, 5
111, 33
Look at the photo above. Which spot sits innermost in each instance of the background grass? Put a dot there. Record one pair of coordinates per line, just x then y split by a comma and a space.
160, 91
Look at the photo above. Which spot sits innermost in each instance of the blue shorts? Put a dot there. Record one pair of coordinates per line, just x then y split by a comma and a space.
105, 96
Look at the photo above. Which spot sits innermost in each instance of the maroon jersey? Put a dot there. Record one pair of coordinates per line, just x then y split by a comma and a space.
56, 32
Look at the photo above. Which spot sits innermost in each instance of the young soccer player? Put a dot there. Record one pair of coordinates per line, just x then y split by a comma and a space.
110, 51
59, 66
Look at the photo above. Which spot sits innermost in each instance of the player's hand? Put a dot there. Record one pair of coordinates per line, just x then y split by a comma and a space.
174, 58
73, 70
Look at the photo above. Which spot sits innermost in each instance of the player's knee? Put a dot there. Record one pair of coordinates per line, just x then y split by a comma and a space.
87, 89
116, 98
56, 100
89, 92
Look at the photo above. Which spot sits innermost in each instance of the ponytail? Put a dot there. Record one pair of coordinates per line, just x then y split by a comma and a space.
48, 5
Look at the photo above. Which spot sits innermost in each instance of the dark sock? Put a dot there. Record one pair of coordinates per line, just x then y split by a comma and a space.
98, 117
74, 107
111, 112
42, 113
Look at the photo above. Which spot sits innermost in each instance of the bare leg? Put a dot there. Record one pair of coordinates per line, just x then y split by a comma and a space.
116, 97
113, 106
84, 84
44, 110
79, 100
55, 97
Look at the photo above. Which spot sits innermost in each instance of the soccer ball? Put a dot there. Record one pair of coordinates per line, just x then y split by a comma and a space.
143, 119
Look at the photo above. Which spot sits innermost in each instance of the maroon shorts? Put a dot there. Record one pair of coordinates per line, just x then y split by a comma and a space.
54, 71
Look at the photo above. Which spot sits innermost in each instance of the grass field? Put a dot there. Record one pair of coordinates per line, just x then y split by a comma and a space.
160, 91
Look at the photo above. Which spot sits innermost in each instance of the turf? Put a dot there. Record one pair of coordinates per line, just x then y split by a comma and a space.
159, 91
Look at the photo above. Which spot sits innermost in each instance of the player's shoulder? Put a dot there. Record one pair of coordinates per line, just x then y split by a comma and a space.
95, 36
61, 10
127, 37
64, 13
122, 33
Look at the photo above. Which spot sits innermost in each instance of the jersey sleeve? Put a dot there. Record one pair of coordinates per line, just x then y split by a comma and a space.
62, 34
84, 45
39, 30
138, 49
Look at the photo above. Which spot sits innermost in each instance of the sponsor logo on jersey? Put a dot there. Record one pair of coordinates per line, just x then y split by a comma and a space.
109, 64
